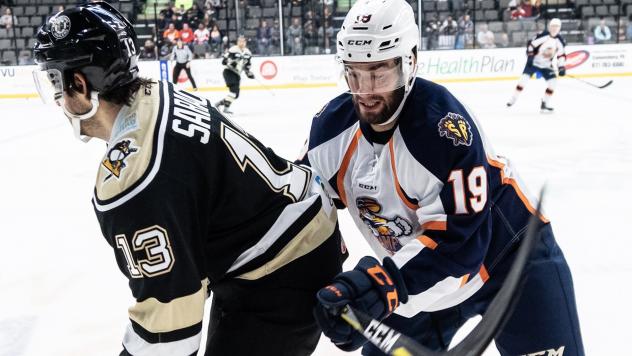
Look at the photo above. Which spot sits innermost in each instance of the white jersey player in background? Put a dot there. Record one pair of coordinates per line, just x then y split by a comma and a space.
545, 54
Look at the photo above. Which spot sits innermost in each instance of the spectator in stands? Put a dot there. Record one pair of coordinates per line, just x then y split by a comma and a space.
275, 38
310, 17
162, 22
525, 10
465, 32
327, 37
602, 32
175, 21
310, 36
214, 6
503, 41
171, 35
8, 20
295, 37
264, 37
149, 51
186, 35
628, 32
485, 37
449, 26
621, 30
199, 7
201, 46
216, 41
432, 31
169, 10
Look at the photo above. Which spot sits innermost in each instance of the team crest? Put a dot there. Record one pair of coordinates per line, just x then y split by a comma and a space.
387, 231
114, 161
363, 18
456, 128
60, 26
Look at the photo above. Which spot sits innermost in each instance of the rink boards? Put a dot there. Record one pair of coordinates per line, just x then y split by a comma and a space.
324, 71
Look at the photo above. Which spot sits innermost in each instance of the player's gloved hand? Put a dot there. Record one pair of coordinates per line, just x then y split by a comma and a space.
370, 287
224, 61
250, 75
561, 71
529, 60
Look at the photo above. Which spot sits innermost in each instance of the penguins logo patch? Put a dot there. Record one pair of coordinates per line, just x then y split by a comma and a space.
114, 161
455, 127
386, 230
60, 26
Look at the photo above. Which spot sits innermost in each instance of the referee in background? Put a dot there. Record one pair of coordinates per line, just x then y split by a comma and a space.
183, 56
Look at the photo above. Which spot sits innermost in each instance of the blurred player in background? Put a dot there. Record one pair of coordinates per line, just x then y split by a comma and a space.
189, 202
236, 60
444, 213
545, 54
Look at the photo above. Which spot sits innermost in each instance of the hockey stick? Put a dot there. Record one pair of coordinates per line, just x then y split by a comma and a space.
591, 84
265, 86
394, 343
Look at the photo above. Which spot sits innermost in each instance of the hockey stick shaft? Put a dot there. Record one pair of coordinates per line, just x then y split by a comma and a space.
265, 86
393, 342
591, 84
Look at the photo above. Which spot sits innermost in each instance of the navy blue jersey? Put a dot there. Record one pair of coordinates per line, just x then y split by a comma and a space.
425, 194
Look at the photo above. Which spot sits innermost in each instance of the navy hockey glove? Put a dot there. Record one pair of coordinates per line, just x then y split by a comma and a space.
530, 61
250, 75
224, 61
561, 71
370, 287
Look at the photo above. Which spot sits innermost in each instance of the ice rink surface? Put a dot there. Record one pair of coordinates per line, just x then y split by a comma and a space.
62, 294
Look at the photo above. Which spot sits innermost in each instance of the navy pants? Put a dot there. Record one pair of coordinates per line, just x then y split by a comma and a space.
543, 321
546, 73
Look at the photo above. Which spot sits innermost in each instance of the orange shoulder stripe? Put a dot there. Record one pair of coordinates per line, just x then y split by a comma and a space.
345, 165
514, 184
427, 241
401, 194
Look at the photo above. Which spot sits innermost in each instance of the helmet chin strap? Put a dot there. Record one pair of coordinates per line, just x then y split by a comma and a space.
409, 84
75, 119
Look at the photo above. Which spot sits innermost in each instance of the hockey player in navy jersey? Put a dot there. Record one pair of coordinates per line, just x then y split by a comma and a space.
444, 214
189, 202
545, 54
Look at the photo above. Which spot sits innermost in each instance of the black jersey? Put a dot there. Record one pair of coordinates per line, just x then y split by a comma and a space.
186, 199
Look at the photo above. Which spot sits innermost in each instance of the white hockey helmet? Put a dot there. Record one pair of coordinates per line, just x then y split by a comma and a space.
378, 30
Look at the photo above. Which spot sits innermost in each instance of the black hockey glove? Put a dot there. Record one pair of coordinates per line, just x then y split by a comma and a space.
250, 75
224, 61
561, 71
370, 287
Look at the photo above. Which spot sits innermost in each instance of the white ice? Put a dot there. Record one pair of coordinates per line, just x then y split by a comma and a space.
62, 294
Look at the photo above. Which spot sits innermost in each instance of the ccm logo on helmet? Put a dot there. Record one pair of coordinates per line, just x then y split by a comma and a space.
359, 42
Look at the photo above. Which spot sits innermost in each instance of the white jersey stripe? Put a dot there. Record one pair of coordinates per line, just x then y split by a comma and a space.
154, 169
137, 346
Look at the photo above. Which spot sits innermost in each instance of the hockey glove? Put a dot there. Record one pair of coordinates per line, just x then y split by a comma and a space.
561, 71
530, 61
250, 75
224, 61
370, 287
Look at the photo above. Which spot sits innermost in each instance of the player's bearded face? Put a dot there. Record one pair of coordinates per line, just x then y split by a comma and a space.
377, 88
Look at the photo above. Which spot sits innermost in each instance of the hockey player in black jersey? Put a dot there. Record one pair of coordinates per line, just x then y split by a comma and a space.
236, 60
545, 53
189, 202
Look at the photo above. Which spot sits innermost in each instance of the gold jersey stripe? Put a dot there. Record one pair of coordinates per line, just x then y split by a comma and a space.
157, 317
308, 239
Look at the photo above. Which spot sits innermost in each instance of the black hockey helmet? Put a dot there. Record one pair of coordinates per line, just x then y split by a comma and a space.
94, 39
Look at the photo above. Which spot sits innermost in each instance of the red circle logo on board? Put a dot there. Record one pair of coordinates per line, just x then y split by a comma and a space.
576, 58
268, 70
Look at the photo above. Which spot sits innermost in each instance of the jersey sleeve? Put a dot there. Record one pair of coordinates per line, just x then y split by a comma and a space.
561, 52
154, 238
453, 214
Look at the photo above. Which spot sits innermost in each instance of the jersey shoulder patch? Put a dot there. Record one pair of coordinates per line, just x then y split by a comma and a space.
132, 150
